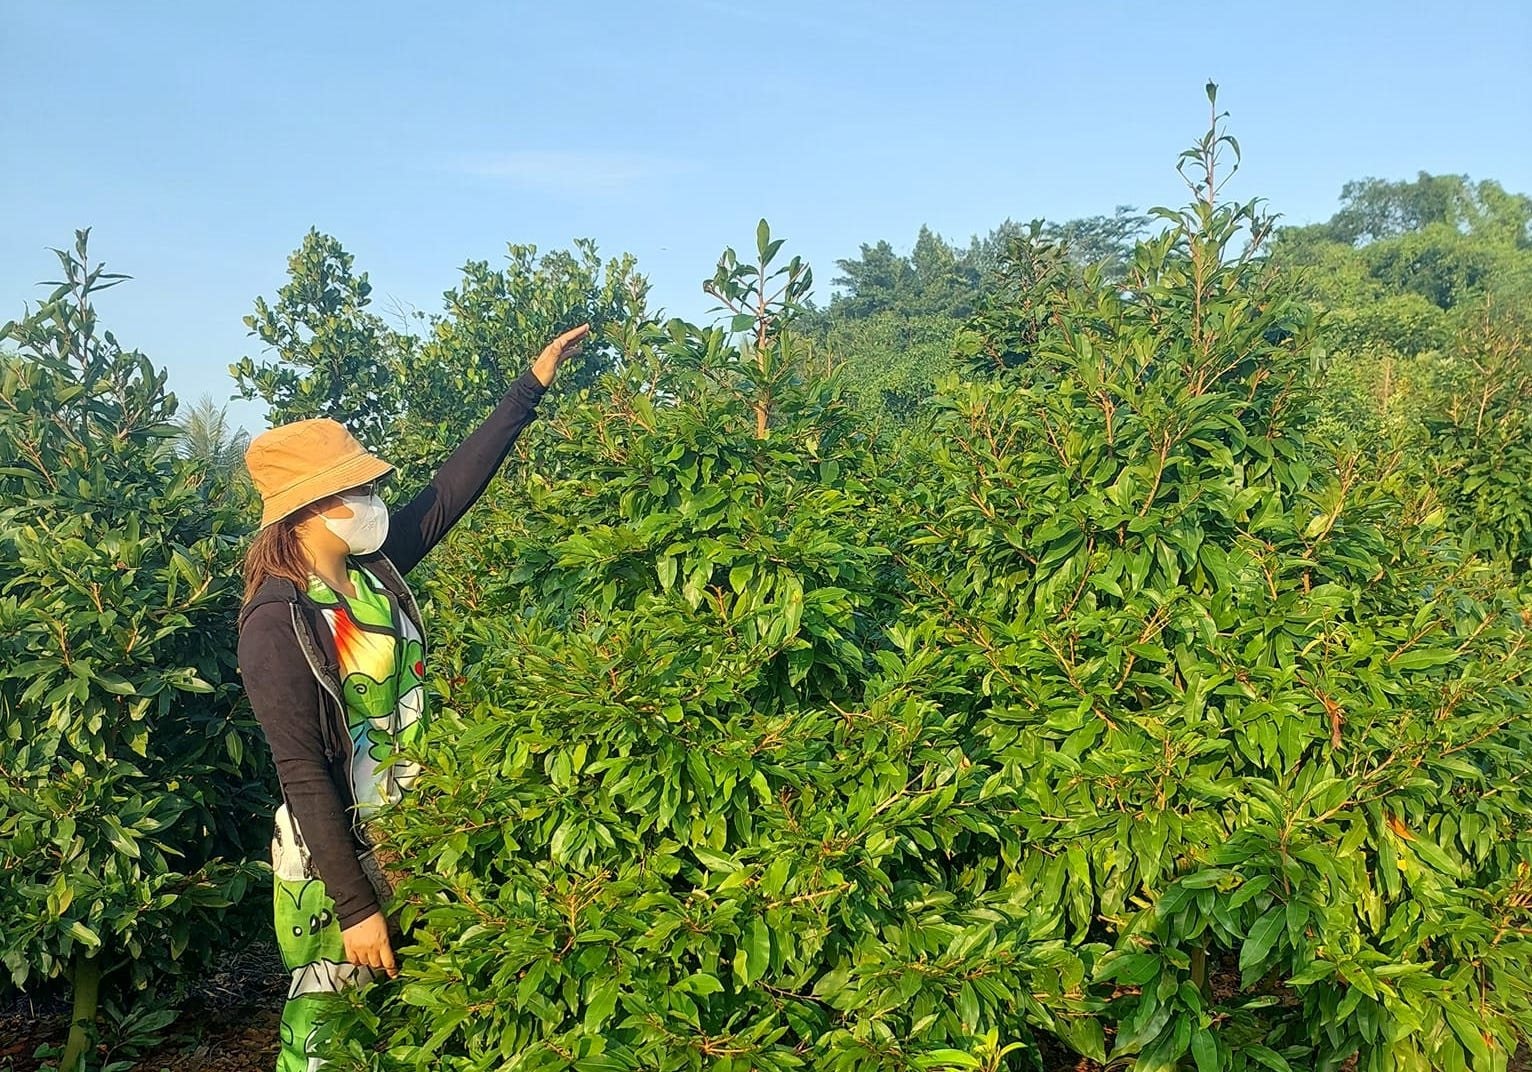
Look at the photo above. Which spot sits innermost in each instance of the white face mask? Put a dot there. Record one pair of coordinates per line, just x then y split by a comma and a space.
367, 527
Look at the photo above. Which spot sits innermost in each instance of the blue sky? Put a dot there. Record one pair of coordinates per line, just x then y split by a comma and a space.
200, 141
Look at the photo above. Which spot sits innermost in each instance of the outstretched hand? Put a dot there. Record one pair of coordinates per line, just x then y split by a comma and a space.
557, 352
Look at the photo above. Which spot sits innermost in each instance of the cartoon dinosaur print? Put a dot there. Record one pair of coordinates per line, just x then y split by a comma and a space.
412, 667
368, 697
385, 717
306, 927
370, 656
313, 951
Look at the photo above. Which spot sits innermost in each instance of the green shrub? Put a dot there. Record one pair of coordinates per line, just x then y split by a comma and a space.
1478, 443
1265, 728
1112, 712
130, 793
685, 801
889, 363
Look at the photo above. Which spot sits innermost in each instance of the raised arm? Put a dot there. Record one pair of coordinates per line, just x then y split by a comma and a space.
421, 523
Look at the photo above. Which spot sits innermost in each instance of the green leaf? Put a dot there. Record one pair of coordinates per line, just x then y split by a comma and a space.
446, 1024
701, 984
1266, 1056
1433, 856
1466, 1028
1204, 879
83, 934
1085, 1035
599, 1006
1424, 658
1205, 1051
1258, 945
754, 955
713, 860
665, 569
115, 684
1136, 969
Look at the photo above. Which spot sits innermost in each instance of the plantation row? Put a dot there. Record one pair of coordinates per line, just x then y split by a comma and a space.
1153, 686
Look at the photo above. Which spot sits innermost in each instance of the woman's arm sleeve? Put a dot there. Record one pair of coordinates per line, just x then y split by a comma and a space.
285, 698
421, 523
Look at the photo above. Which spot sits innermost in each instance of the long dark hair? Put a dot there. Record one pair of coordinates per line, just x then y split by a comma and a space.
276, 551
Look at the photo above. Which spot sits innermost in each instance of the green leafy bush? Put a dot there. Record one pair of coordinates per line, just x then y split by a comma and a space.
1112, 712
1478, 442
889, 364
1265, 726
686, 801
131, 795
335, 357
1424, 285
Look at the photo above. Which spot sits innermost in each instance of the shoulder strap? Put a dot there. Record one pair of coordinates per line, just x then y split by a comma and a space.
311, 630
273, 590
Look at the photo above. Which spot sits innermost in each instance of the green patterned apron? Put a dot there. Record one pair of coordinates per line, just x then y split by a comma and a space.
382, 680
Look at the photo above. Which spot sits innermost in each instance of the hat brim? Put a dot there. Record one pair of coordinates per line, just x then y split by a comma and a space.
342, 476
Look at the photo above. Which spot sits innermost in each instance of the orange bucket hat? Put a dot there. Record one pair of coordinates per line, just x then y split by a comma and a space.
296, 464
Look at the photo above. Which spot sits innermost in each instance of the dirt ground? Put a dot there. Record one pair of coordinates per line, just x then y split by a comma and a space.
229, 1024
229, 1037
222, 1036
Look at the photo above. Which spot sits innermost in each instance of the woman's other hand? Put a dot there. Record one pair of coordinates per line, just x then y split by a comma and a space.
557, 352
367, 944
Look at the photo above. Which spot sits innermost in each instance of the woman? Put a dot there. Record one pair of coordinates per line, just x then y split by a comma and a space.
331, 649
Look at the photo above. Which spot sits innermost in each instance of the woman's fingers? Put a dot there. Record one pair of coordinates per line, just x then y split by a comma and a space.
358, 954
378, 957
367, 945
571, 341
387, 959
